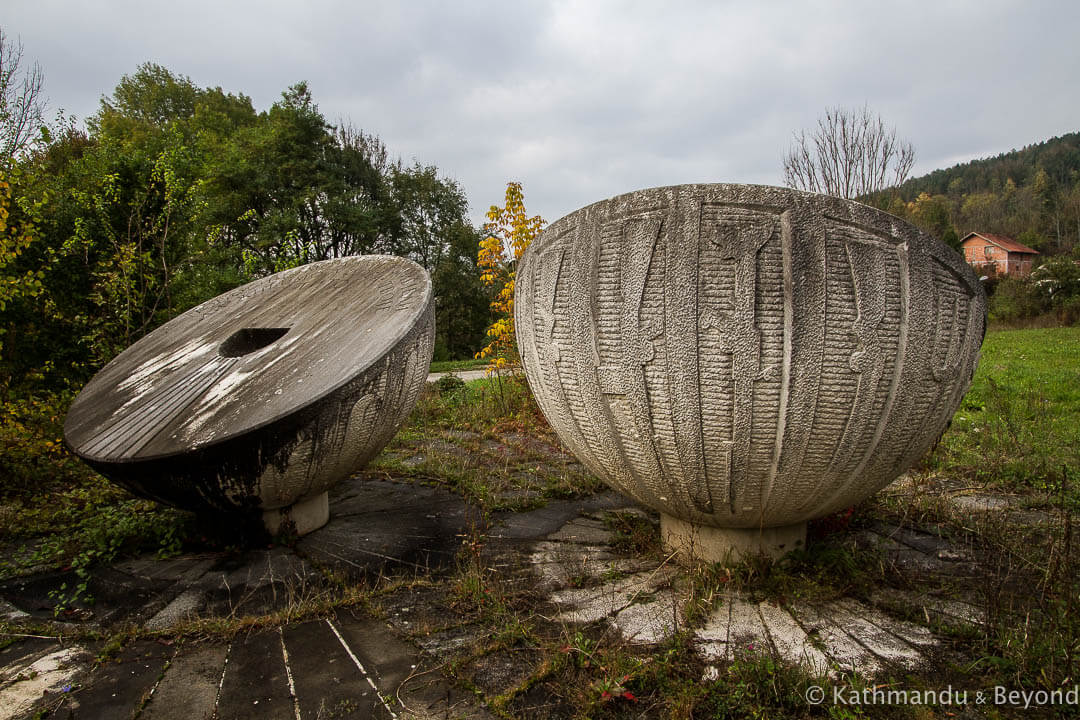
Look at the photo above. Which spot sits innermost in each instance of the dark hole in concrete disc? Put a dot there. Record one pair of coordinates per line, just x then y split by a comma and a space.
248, 340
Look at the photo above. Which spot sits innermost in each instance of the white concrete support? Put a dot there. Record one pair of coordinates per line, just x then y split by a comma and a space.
307, 515
729, 545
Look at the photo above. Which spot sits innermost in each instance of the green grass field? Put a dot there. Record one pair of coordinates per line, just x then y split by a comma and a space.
1018, 426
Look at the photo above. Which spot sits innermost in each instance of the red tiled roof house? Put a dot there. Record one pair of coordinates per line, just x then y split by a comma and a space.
1004, 255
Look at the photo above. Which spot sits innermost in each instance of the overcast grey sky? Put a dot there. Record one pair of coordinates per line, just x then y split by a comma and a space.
583, 100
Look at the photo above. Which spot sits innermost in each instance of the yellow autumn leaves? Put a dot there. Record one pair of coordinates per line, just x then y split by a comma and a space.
507, 233
14, 238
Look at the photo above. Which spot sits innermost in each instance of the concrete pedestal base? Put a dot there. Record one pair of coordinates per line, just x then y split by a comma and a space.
305, 516
729, 545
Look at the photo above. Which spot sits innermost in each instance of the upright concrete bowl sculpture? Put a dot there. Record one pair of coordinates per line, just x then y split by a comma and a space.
742, 358
262, 398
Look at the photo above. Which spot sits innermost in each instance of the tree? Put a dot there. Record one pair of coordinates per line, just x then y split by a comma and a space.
125, 238
22, 105
176, 193
851, 154
433, 229
291, 189
509, 231
461, 300
931, 213
18, 231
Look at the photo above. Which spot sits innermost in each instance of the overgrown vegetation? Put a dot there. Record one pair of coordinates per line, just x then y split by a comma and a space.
65, 515
1019, 424
1048, 298
1014, 438
488, 441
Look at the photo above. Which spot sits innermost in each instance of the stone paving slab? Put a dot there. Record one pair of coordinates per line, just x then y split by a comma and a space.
21, 653
115, 689
411, 688
941, 609
846, 653
790, 640
638, 606
325, 674
349, 665
254, 684
11, 613
583, 531
538, 524
379, 525
185, 606
836, 637
189, 688
42, 679
560, 565
922, 553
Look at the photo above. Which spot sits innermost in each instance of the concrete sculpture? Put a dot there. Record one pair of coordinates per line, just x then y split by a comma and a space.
745, 358
262, 398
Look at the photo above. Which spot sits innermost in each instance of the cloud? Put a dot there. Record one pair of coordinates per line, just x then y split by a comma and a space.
584, 100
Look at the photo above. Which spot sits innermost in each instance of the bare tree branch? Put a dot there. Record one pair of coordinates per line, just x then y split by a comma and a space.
22, 105
850, 154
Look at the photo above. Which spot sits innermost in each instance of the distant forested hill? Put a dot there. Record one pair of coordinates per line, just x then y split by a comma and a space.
1032, 194
1059, 157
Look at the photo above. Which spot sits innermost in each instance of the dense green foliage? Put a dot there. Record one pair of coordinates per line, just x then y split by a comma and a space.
176, 193
173, 194
1050, 296
1032, 195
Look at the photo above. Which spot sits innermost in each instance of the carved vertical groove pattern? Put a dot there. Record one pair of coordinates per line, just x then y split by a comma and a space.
746, 356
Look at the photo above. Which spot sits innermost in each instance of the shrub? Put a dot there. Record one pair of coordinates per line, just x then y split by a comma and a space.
1016, 299
33, 457
449, 384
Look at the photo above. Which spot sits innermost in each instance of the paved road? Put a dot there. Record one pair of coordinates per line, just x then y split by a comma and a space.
465, 375
468, 375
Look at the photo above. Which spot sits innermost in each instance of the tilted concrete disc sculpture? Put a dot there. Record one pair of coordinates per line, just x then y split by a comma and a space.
262, 398
744, 358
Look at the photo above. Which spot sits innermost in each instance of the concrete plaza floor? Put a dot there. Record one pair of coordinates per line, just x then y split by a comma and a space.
358, 661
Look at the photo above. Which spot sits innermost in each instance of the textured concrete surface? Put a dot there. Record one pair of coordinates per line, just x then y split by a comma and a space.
727, 545
266, 395
745, 356
834, 637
